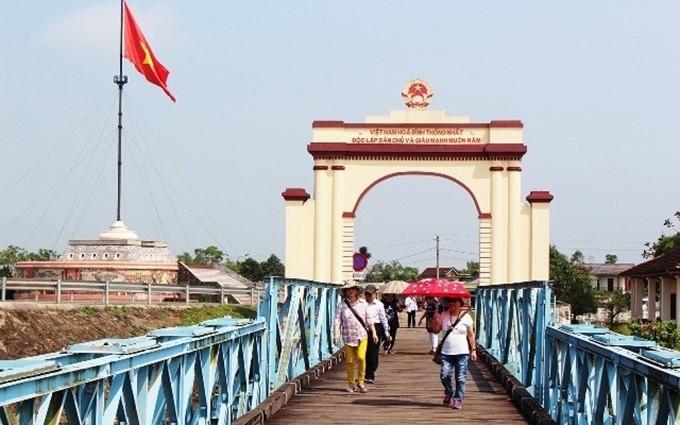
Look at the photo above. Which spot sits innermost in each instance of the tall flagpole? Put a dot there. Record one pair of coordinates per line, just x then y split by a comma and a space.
120, 80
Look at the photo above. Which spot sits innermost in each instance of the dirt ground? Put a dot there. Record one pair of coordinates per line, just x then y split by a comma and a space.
27, 330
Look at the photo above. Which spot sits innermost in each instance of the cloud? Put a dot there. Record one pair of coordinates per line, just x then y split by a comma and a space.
97, 26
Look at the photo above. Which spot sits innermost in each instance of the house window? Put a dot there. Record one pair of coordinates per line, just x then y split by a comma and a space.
93, 256
71, 256
610, 284
117, 255
82, 255
105, 256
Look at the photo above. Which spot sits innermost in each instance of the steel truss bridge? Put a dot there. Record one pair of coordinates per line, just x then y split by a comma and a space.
223, 369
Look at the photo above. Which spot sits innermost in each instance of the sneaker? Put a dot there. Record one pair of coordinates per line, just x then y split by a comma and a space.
457, 404
370, 381
363, 389
350, 389
447, 401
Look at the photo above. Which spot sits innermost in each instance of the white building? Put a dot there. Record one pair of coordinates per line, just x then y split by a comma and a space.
608, 276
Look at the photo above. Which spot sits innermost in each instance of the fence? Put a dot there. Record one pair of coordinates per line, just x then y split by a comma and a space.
64, 291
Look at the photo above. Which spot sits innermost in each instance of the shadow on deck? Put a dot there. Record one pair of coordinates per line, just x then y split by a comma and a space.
407, 390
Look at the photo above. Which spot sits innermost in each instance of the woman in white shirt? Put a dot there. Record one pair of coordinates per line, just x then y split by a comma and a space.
457, 349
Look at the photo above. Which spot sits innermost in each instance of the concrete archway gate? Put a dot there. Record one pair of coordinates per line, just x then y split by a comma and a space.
482, 158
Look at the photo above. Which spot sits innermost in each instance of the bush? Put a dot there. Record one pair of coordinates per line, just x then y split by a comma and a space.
666, 334
621, 328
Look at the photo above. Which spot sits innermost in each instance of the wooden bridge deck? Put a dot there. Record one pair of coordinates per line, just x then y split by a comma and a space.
407, 391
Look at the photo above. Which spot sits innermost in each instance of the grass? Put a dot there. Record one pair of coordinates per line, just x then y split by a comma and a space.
193, 315
188, 316
87, 310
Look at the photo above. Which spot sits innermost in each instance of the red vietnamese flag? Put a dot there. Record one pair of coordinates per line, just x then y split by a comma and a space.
137, 50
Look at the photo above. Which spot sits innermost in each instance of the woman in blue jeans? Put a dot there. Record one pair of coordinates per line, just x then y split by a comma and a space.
457, 349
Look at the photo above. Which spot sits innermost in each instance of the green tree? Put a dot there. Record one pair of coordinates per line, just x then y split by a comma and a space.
577, 257
611, 259
614, 303
572, 283
6, 271
43, 255
272, 267
208, 255
665, 242
12, 254
471, 267
9, 257
393, 270
251, 269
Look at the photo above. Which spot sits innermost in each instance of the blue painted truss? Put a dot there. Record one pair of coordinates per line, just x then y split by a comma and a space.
211, 373
188, 375
300, 323
594, 376
510, 323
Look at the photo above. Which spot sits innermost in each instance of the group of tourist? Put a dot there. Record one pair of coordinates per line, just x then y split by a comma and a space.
364, 324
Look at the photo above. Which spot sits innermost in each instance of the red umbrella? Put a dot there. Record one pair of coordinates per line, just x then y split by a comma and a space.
437, 288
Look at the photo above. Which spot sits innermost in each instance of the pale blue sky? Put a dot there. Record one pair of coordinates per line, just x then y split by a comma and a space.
595, 83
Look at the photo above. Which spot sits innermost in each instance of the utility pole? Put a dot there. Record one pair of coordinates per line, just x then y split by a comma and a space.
437, 254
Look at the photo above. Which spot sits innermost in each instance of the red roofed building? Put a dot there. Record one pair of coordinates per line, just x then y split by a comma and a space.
450, 273
660, 274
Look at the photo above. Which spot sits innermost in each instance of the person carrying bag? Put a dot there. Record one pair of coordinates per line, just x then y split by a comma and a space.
437, 358
457, 347
432, 322
352, 323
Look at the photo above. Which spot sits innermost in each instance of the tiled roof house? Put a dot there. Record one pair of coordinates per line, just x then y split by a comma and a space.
660, 275
608, 276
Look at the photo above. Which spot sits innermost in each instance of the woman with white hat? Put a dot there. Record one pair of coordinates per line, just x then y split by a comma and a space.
352, 323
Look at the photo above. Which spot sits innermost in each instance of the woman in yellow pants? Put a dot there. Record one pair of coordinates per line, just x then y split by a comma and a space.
352, 322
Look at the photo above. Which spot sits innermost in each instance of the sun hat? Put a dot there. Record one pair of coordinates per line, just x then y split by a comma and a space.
348, 285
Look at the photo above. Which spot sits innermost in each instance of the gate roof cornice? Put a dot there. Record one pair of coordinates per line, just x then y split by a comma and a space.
359, 125
512, 151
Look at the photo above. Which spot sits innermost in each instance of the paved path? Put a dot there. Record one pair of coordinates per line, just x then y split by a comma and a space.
407, 391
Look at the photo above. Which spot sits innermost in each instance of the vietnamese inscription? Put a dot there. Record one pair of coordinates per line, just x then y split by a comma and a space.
435, 136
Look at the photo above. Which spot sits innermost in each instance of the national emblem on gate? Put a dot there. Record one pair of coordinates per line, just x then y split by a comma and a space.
417, 94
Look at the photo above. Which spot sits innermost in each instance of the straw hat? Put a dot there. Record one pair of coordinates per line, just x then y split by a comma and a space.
350, 284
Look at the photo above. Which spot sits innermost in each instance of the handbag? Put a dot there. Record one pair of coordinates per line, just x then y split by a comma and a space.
356, 315
437, 358
433, 324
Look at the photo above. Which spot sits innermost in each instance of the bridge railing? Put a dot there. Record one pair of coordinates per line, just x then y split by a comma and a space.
196, 374
213, 372
594, 376
580, 374
510, 322
300, 323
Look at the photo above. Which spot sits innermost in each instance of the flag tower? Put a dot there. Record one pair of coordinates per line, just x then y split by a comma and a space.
134, 47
